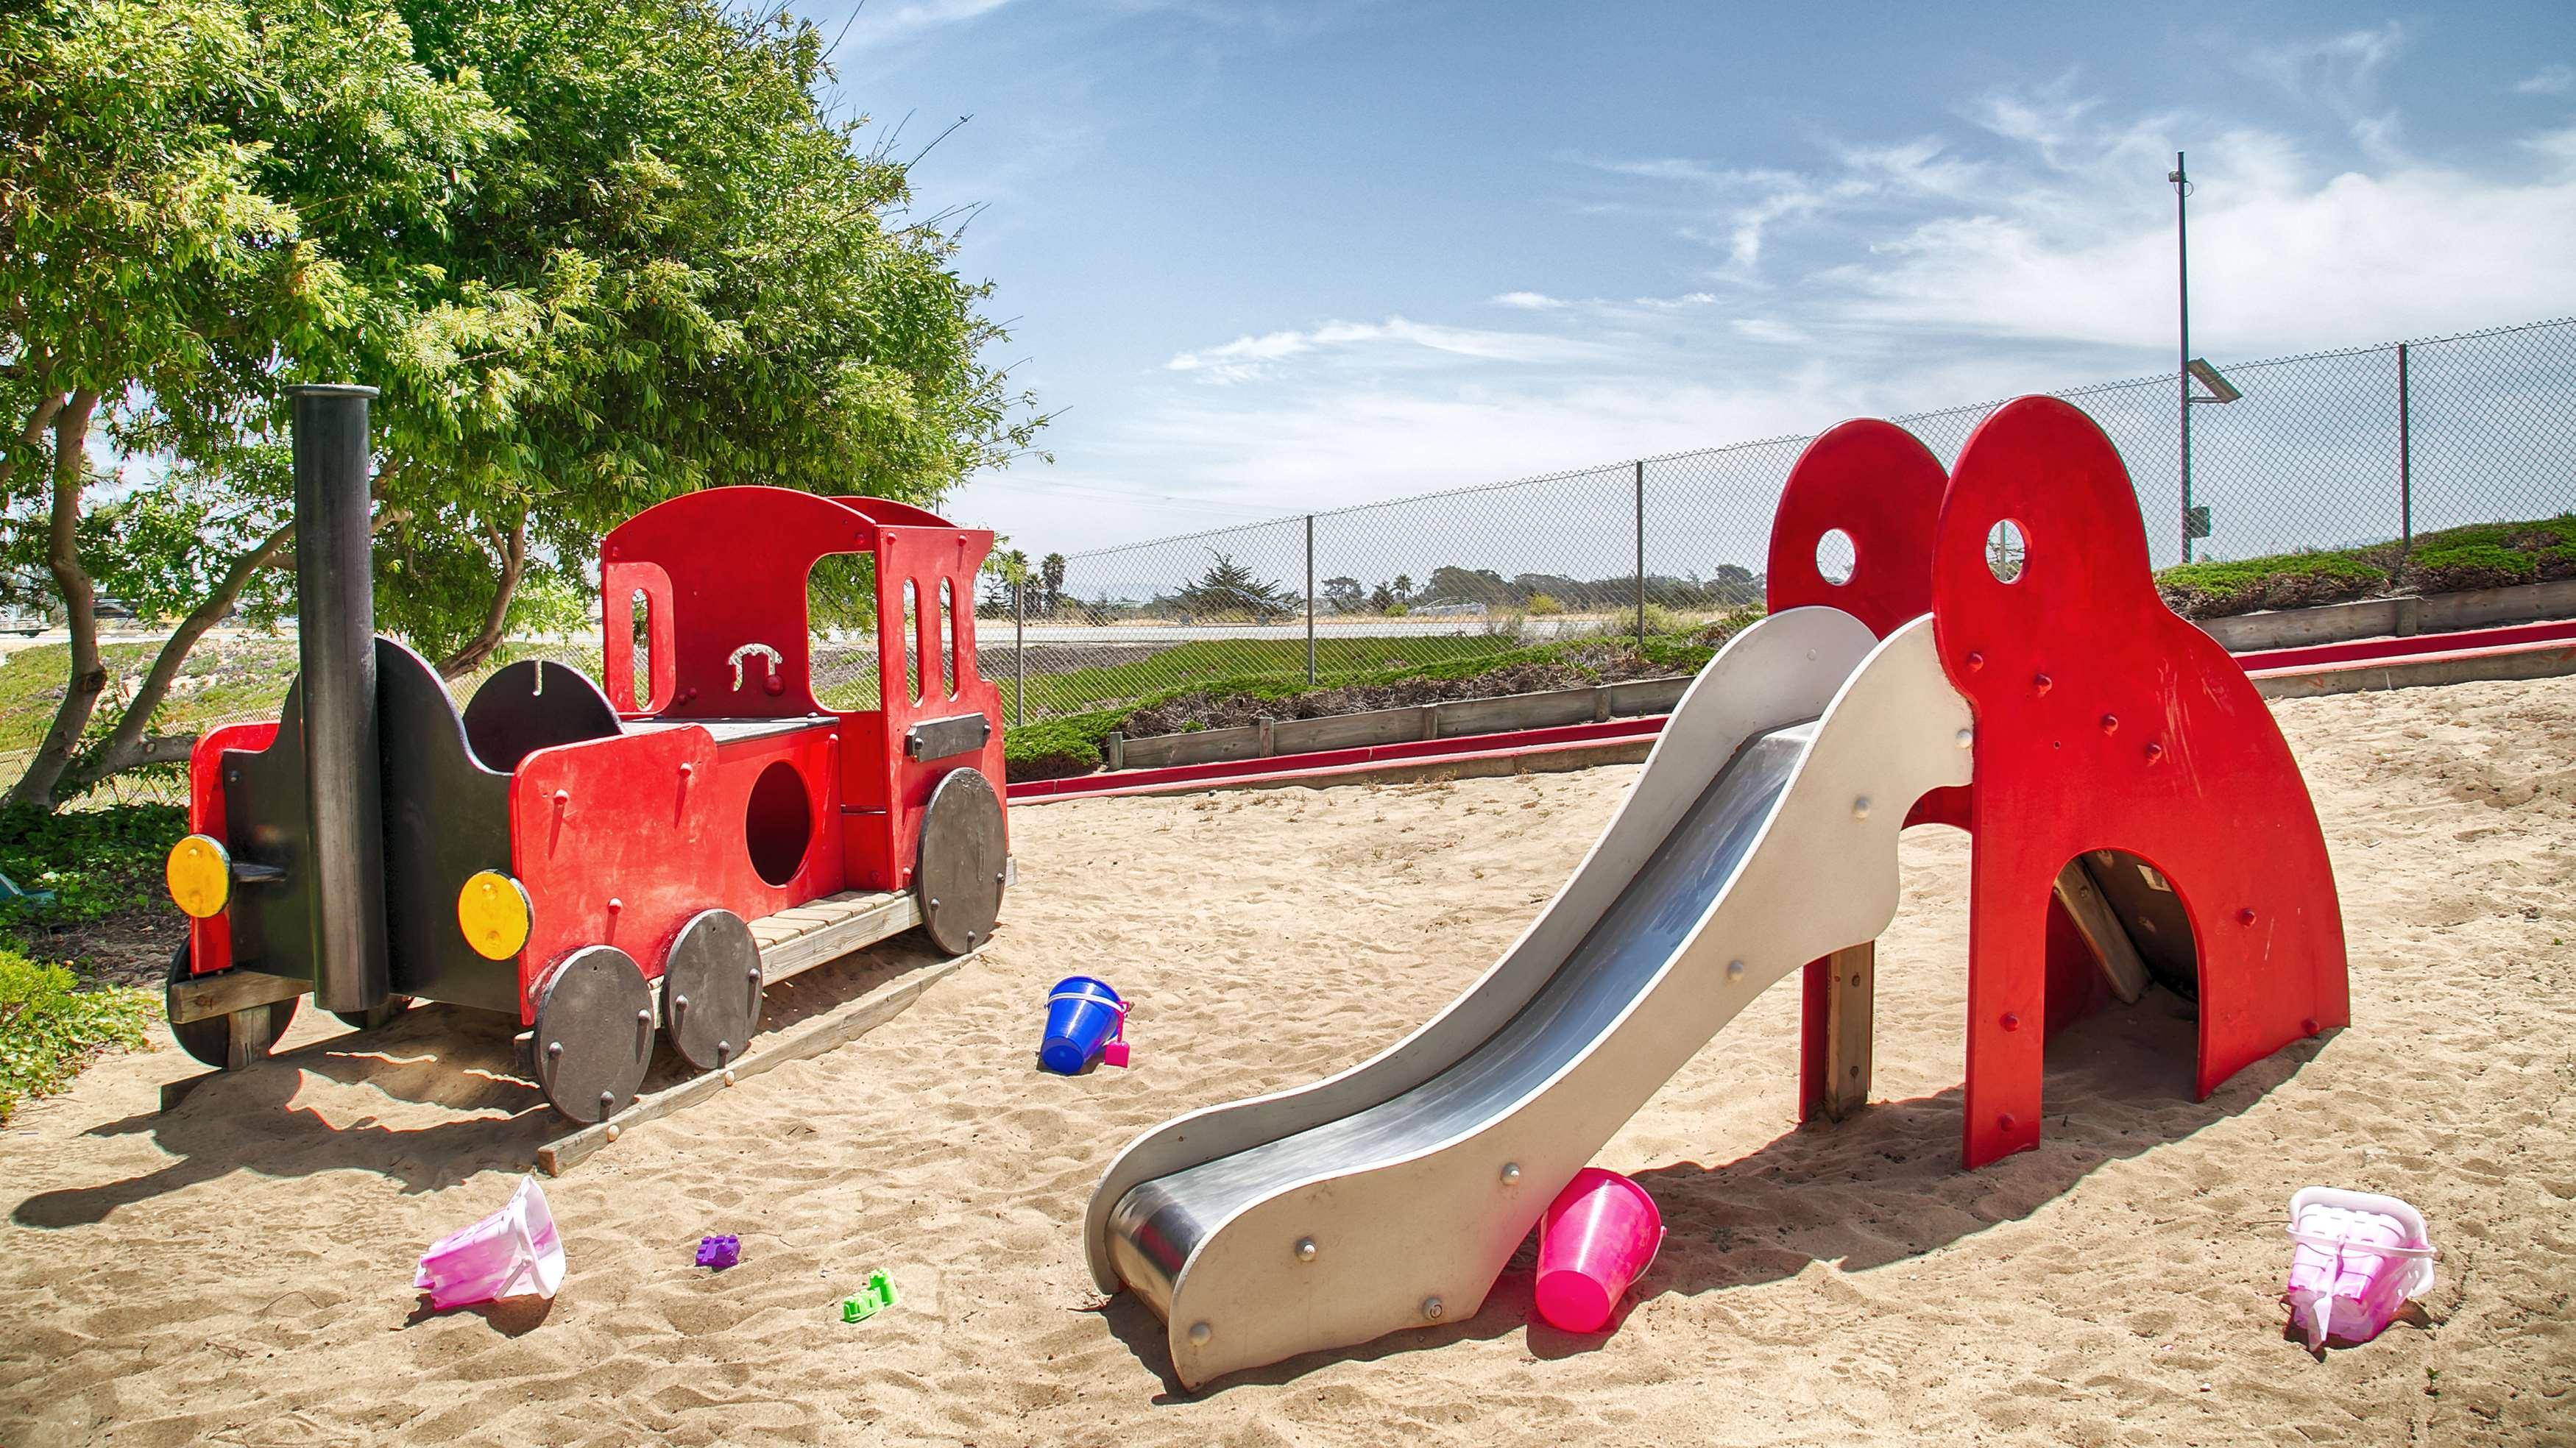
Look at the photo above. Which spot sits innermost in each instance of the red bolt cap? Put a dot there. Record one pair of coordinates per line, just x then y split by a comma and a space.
2155, 752
2245, 916
2042, 682
1976, 661
2110, 723
2011, 1022
2007, 1121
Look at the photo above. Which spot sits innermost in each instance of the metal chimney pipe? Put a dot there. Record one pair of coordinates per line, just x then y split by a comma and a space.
335, 614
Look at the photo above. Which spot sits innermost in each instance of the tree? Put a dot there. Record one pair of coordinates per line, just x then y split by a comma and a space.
1382, 598
1470, 585
595, 252
1342, 595
1229, 587
1403, 588
1051, 583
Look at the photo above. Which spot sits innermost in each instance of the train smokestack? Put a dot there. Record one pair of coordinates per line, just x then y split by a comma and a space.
335, 612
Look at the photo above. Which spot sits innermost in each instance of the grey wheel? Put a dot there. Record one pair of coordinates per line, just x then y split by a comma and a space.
711, 990
963, 854
594, 1035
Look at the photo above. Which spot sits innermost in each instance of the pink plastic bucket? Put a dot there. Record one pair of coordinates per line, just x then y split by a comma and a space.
514, 1252
1593, 1240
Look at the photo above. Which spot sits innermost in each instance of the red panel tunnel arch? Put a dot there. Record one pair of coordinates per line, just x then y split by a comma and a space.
2103, 722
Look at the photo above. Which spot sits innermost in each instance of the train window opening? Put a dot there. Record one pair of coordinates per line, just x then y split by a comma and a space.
948, 638
841, 632
911, 637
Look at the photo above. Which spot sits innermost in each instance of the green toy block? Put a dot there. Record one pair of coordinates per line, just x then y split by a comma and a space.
874, 1298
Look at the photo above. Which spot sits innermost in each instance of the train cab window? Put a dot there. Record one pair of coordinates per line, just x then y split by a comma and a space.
948, 638
911, 636
841, 631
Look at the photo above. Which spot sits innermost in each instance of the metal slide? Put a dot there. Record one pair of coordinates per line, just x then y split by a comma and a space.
1760, 835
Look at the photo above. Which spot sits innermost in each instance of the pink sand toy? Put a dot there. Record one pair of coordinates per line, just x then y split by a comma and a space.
2360, 1257
1593, 1240
511, 1253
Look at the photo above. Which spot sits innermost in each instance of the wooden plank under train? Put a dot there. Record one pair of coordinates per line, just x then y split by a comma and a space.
835, 1027
791, 942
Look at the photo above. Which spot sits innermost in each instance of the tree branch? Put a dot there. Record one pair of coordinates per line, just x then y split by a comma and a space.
496, 621
33, 434
122, 748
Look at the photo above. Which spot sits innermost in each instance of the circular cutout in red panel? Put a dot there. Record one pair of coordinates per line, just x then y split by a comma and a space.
778, 824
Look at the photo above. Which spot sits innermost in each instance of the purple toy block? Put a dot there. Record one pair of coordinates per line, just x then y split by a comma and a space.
719, 1252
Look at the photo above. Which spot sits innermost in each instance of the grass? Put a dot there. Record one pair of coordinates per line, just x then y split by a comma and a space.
220, 681
2479, 555
1228, 662
1071, 744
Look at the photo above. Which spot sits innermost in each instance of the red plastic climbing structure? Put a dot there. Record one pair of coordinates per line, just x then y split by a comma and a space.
2110, 735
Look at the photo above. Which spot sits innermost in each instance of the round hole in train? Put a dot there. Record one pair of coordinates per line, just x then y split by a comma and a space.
778, 824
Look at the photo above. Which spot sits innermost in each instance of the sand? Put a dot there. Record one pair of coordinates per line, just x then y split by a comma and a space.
238, 1272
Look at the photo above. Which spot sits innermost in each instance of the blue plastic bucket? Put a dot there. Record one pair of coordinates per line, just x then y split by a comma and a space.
1083, 1015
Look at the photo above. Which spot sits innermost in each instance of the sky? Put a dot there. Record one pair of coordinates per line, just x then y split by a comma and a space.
1259, 259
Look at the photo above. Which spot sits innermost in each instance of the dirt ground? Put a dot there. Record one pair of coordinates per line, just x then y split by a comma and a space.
238, 1271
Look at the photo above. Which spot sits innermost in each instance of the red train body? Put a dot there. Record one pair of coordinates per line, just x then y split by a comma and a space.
706, 788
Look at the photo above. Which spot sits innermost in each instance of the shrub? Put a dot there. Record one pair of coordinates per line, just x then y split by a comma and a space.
2473, 565
1542, 605
1055, 748
2293, 580
49, 1027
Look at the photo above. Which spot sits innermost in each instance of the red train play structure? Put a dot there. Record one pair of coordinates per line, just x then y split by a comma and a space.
554, 851
2133, 796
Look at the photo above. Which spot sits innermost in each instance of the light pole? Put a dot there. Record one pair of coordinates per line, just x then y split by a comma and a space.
2195, 521
2182, 368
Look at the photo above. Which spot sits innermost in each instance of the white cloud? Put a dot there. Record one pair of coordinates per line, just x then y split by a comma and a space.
1249, 357
2340, 72
2029, 248
922, 15
2549, 80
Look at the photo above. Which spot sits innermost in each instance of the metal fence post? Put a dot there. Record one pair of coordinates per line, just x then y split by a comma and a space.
1019, 652
2405, 463
1310, 600
1641, 553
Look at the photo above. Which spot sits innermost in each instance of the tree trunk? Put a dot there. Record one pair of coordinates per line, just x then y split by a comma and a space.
80, 606
514, 565
127, 747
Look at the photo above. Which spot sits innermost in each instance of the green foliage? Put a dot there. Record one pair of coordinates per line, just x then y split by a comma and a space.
1072, 743
2494, 555
49, 1026
1202, 663
2479, 555
97, 862
1543, 605
2295, 580
595, 252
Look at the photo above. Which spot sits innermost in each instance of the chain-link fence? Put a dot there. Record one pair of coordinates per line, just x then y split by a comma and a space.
2327, 450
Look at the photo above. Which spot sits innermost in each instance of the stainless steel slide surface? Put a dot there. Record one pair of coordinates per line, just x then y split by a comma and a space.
1761, 834
1159, 1223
